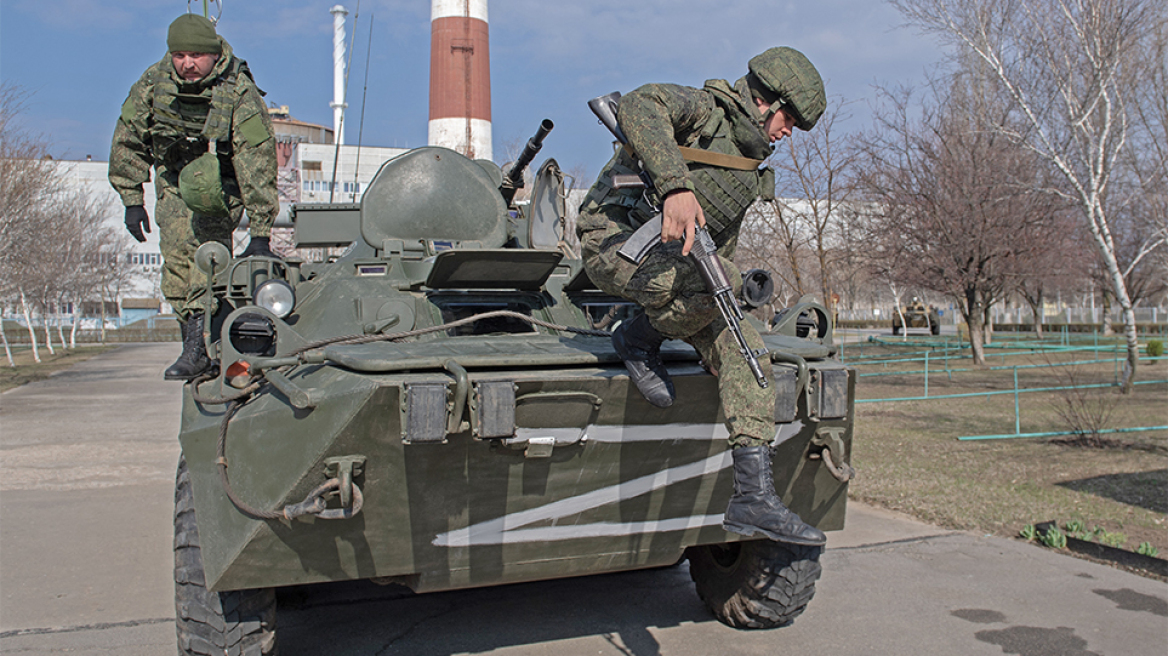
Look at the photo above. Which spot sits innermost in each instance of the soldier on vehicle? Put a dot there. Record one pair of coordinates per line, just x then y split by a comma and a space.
665, 124
197, 118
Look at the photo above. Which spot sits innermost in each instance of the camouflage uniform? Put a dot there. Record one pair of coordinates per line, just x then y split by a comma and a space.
657, 118
162, 126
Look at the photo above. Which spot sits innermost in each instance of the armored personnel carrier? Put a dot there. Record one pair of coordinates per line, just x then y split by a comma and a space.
916, 315
441, 407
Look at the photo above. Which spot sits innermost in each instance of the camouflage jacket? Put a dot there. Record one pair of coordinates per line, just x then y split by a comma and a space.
657, 118
162, 126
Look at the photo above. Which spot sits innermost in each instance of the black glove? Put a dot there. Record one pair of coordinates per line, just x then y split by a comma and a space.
260, 246
136, 221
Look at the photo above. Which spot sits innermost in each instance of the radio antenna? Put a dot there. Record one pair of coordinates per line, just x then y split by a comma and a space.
364, 94
207, 9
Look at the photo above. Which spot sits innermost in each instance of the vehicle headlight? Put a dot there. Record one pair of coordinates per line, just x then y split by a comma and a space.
252, 334
275, 296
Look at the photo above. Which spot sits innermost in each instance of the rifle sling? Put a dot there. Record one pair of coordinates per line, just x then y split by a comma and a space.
721, 160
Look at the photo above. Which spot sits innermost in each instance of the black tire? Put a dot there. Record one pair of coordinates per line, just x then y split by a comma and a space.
239, 622
755, 585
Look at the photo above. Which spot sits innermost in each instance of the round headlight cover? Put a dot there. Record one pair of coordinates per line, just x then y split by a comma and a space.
275, 296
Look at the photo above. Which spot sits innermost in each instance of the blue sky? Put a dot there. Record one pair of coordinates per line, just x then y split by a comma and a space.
78, 58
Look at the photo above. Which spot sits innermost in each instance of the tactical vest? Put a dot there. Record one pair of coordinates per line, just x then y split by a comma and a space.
184, 123
724, 193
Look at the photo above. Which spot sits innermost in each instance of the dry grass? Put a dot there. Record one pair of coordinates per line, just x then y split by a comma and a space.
28, 371
909, 459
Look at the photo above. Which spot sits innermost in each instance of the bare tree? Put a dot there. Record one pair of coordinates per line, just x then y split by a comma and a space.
28, 181
1143, 255
1067, 64
56, 247
949, 200
815, 169
92, 252
771, 239
800, 236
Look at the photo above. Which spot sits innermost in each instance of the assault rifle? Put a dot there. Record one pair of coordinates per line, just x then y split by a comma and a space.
704, 253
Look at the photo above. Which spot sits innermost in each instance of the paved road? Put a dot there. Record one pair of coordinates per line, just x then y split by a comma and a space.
86, 467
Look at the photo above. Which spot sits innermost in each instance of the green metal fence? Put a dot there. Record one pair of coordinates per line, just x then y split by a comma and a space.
1018, 347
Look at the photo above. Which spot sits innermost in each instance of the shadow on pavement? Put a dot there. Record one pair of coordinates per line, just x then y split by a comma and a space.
621, 609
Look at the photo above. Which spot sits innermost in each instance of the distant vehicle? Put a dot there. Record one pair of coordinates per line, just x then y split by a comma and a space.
916, 315
439, 408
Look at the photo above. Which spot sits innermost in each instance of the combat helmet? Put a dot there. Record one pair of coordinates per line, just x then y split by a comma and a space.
788, 73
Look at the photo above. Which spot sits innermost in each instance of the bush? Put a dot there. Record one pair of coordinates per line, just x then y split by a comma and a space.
1155, 348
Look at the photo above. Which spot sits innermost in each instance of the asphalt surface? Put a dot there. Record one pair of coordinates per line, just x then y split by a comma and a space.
87, 462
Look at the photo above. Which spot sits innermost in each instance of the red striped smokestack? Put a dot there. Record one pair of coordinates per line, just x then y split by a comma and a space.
460, 77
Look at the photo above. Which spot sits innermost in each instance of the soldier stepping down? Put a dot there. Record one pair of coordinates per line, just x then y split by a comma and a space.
665, 126
197, 118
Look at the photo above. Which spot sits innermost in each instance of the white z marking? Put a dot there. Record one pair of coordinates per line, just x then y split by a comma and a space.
509, 528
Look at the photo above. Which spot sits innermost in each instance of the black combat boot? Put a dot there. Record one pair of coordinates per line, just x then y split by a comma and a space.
193, 361
639, 345
755, 508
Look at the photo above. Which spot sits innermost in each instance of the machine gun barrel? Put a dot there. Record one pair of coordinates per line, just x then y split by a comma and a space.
514, 180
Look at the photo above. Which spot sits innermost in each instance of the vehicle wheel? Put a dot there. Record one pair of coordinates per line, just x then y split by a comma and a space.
755, 585
240, 622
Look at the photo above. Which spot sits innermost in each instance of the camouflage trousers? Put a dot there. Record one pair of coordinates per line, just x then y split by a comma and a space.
673, 295
181, 231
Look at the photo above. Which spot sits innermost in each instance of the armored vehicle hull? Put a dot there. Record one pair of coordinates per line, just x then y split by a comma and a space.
441, 413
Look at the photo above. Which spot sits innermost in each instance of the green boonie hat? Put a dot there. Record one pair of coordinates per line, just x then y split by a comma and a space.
193, 33
788, 73
201, 186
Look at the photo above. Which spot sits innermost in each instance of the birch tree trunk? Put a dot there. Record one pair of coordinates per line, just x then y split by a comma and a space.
7, 348
48, 333
73, 330
36, 355
103, 315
